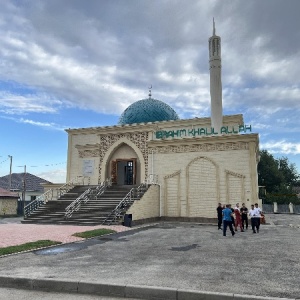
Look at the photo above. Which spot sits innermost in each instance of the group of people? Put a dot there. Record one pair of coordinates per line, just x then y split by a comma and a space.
238, 217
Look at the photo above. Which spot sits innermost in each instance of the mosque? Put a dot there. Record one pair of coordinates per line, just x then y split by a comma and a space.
190, 164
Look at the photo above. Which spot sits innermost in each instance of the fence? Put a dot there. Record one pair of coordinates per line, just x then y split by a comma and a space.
283, 208
20, 208
268, 208
297, 209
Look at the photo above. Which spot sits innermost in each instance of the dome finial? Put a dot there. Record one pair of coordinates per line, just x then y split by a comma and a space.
150, 88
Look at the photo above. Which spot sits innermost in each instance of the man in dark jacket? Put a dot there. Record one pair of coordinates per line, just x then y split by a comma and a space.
219, 213
244, 213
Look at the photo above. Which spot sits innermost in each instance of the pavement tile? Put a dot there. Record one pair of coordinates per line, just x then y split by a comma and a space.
17, 234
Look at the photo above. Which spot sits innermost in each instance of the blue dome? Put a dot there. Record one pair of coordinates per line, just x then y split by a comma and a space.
147, 110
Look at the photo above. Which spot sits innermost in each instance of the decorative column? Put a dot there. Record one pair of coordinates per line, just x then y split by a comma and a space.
215, 81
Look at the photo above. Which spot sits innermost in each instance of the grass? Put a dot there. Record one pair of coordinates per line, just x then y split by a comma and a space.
93, 233
27, 246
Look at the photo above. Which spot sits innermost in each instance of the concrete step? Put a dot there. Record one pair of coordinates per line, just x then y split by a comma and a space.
93, 212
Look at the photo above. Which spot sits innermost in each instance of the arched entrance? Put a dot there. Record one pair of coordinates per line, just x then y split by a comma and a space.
124, 171
123, 163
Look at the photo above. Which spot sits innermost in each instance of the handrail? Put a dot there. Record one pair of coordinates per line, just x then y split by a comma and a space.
85, 197
48, 195
100, 189
75, 205
35, 204
69, 185
126, 202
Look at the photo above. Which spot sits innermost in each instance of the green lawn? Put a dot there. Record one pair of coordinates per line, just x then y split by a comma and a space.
93, 233
27, 246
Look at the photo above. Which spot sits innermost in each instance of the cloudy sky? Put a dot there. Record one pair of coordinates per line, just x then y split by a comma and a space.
71, 64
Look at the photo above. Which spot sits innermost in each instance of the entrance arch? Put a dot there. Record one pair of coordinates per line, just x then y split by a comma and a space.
107, 159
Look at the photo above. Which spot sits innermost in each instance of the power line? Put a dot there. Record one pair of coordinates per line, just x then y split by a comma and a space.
46, 165
3, 161
56, 164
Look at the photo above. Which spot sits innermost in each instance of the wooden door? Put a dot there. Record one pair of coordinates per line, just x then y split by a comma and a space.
114, 171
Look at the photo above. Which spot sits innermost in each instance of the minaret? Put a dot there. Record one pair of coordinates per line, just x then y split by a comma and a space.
215, 80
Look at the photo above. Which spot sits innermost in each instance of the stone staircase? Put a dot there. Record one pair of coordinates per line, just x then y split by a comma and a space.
93, 212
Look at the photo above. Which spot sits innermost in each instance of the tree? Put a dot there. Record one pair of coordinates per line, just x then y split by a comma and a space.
268, 172
288, 171
278, 176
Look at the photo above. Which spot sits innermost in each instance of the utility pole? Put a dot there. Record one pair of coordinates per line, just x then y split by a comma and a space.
24, 189
10, 171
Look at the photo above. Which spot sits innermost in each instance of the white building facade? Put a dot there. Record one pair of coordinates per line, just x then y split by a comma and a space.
195, 170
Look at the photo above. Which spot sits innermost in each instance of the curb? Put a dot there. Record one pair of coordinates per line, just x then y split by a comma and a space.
122, 291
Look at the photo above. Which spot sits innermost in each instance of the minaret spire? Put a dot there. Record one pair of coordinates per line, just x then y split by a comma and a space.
215, 80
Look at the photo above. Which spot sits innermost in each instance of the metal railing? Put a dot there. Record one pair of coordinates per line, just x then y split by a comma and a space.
69, 185
48, 195
100, 189
35, 204
85, 197
125, 203
75, 205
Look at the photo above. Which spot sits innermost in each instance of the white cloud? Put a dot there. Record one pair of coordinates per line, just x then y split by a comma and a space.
40, 124
52, 126
282, 147
259, 126
108, 62
54, 176
15, 103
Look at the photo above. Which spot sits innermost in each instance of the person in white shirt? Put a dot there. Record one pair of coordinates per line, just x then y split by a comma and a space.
252, 215
257, 216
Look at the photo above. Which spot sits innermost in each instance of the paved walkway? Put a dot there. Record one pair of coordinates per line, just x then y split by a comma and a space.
169, 261
13, 232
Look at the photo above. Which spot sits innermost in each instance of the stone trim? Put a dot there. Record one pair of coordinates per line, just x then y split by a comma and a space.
88, 150
205, 147
135, 128
109, 143
234, 174
172, 175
